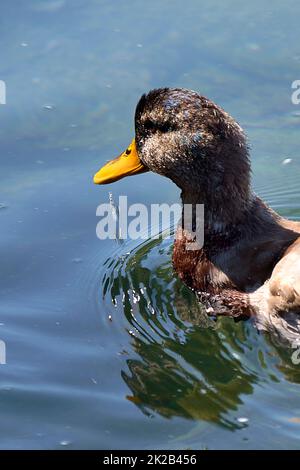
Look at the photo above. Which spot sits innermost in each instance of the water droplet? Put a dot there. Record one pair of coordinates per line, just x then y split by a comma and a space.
65, 443
286, 161
77, 260
209, 310
235, 355
48, 106
243, 420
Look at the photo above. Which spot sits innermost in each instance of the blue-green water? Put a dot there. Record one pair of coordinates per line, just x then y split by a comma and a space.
105, 347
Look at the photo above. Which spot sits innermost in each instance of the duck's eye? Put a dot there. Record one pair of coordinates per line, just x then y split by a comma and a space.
149, 125
164, 127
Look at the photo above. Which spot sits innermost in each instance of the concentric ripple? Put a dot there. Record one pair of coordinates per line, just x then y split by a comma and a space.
180, 362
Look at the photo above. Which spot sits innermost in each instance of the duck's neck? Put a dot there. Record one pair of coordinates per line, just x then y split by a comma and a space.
222, 211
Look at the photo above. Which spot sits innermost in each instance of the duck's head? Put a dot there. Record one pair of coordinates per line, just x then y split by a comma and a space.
187, 138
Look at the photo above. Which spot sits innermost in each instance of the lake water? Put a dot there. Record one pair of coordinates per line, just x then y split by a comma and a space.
105, 347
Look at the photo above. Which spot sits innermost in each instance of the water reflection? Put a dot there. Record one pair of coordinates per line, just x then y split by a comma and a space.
185, 364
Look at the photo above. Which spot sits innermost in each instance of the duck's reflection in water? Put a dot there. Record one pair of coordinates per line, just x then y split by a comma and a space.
196, 373
183, 363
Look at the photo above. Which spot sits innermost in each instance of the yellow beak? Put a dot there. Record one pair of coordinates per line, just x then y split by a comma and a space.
127, 164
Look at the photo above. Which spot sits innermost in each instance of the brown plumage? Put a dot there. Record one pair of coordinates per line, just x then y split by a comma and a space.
249, 265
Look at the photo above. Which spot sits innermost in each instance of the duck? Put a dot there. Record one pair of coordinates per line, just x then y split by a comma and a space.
248, 266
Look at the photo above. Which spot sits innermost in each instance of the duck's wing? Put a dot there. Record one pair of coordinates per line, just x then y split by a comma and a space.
277, 301
284, 284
